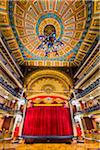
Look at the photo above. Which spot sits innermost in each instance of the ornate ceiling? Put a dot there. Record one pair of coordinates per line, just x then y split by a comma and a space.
74, 22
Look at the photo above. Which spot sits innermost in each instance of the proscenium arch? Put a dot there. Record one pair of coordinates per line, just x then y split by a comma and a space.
47, 76
34, 76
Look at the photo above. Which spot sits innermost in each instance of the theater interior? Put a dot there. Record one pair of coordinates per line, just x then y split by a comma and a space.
49, 75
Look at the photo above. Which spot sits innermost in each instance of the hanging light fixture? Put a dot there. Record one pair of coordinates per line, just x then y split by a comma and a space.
49, 42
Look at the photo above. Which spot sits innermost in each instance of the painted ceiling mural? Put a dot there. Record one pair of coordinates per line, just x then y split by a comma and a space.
49, 32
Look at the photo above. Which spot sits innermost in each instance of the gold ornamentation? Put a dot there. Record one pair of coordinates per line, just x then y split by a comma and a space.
91, 36
3, 18
13, 44
19, 10
96, 6
3, 4
7, 32
48, 82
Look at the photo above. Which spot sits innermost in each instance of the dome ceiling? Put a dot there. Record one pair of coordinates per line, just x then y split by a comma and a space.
49, 32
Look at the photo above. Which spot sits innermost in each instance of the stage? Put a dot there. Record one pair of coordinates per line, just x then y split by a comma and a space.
47, 124
47, 139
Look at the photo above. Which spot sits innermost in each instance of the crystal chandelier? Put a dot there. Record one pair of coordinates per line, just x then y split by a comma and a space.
49, 42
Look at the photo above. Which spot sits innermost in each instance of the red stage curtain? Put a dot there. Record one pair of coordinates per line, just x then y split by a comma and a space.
47, 121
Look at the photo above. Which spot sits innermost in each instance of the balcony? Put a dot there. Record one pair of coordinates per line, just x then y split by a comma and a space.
89, 70
9, 88
90, 88
9, 68
8, 109
88, 110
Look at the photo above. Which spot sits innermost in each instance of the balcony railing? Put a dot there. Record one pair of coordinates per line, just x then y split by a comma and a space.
88, 110
8, 87
9, 68
89, 89
8, 109
88, 71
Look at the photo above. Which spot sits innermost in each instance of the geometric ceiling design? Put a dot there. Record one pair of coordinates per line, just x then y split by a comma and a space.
76, 23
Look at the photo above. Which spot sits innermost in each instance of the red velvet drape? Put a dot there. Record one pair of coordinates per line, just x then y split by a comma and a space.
47, 121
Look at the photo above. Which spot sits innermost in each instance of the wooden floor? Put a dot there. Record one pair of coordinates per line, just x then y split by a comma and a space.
87, 146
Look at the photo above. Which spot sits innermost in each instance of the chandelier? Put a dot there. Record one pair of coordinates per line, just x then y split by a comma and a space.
49, 42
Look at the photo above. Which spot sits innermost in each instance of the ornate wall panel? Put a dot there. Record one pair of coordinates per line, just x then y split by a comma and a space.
48, 83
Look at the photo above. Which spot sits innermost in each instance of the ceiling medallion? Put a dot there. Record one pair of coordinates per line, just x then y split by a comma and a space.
49, 42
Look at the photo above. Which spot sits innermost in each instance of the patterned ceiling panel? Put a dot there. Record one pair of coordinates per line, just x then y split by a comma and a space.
74, 23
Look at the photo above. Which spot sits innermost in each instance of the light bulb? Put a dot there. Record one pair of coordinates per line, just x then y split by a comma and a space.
91, 97
5, 96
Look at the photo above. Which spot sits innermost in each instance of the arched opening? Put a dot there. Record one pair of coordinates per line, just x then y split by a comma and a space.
47, 111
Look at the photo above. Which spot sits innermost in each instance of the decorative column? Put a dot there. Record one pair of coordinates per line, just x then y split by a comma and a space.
73, 121
22, 101
22, 122
18, 115
18, 118
78, 105
11, 125
78, 118
81, 125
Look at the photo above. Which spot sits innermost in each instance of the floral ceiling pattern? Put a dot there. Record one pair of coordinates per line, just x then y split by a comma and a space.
69, 29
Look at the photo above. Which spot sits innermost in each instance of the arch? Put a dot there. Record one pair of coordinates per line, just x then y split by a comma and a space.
61, 82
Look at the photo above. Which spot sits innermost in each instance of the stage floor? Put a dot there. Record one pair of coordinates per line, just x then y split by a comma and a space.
87, 146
